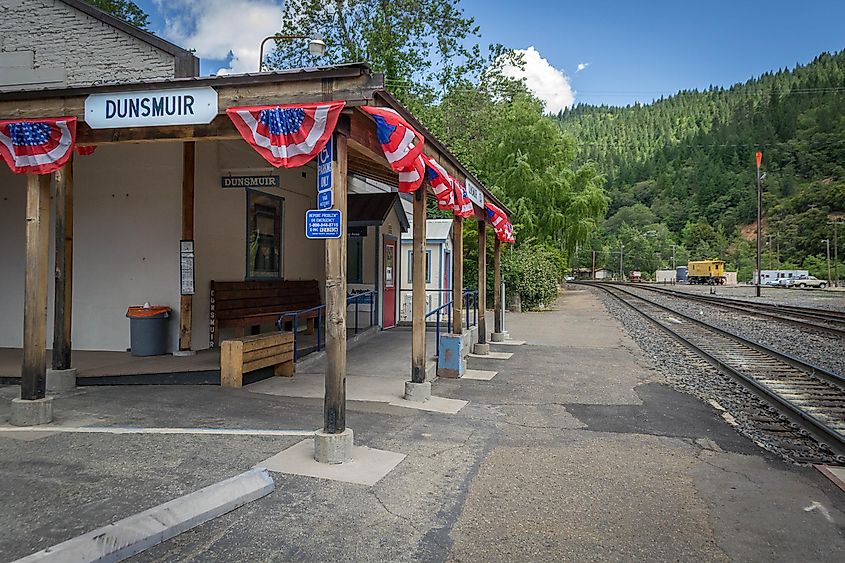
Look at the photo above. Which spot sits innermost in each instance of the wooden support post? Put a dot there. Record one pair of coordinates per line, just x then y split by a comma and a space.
482, 282
63, 303
418, 289
34, 368
186, 302
334, 406
498, 308
457, 274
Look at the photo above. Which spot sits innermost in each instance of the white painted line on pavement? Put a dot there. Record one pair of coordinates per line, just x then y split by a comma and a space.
134, 430
141, 531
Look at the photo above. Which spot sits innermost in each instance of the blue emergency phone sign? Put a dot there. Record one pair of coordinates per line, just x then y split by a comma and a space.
322, 223
325, 200
324, 167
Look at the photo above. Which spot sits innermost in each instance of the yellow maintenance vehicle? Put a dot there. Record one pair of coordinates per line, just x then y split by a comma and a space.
706, 272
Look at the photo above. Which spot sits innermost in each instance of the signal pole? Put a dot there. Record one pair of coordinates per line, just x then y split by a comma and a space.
759, 157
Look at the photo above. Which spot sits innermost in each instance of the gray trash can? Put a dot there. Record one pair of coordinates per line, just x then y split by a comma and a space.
148, 330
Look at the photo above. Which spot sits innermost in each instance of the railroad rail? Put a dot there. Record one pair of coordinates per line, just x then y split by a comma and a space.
821, 320
811, 397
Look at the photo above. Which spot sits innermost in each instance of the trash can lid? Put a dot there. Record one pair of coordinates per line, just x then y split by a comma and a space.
141, 312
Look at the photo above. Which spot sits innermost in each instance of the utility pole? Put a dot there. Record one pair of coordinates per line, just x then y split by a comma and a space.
673, 258
621, 270
594, 264
759, 157
827, 242
835, 252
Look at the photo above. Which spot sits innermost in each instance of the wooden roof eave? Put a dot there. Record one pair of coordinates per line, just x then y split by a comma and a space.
354, 84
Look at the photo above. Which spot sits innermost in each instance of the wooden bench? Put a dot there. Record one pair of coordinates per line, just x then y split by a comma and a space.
250, 353
239, 305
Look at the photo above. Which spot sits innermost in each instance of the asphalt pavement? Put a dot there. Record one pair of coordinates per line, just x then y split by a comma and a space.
575, 450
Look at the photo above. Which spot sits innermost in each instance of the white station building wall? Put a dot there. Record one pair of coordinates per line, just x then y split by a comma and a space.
127, 228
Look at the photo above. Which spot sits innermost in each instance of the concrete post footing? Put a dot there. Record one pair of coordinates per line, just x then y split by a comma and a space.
417, 392
500, 336
333, 448
481, 349
32, 412
61, 380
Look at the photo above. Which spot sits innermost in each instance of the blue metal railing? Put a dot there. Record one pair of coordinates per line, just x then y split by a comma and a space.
468, 294
471, 295
436, 313
319, 312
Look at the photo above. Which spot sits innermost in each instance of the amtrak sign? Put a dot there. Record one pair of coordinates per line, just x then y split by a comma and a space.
151, 108
475, 194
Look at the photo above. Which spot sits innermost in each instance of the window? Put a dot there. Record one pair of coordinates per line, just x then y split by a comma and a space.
354, 259
264, 236
411, 266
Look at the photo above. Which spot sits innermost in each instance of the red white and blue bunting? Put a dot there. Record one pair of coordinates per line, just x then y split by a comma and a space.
402, 146
287, 135
503, 227
38, 146
441, 183
463, 204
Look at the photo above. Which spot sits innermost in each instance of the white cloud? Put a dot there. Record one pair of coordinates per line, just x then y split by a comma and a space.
582, 66
219, 29
549, 84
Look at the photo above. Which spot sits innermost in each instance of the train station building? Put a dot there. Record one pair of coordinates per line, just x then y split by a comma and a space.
162, 202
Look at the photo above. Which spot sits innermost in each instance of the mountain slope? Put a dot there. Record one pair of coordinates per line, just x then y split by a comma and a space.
688, 160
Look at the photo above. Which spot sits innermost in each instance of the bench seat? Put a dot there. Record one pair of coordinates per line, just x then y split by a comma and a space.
250, 353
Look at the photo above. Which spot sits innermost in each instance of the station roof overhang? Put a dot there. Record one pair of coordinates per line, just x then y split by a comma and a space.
372, 210
355, 83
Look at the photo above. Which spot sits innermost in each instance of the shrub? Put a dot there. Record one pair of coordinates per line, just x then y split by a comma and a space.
532, 271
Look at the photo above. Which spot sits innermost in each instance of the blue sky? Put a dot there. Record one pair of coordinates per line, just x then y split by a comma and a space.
636, 50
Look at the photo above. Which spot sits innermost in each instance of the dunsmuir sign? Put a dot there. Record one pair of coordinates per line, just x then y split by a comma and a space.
177, 106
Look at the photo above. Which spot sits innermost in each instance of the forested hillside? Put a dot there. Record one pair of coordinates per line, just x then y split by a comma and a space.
681, 171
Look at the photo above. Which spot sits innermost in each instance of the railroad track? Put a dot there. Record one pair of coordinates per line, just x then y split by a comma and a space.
811, 397
820, 320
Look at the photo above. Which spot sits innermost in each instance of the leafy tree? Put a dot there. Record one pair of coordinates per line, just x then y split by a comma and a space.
420, 45
127, 10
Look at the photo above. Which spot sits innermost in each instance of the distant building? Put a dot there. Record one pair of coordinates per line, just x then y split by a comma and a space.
772, 275
438, 261
665, 276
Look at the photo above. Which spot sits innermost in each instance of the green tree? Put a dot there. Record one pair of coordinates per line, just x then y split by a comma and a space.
420, 45
127, 10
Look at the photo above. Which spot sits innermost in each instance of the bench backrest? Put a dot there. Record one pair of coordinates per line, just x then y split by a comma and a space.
233, 300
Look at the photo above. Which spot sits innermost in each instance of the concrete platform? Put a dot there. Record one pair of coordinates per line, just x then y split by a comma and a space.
368, 466
479, 374
94, 367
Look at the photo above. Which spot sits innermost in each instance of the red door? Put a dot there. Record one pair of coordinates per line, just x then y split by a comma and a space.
390, 276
